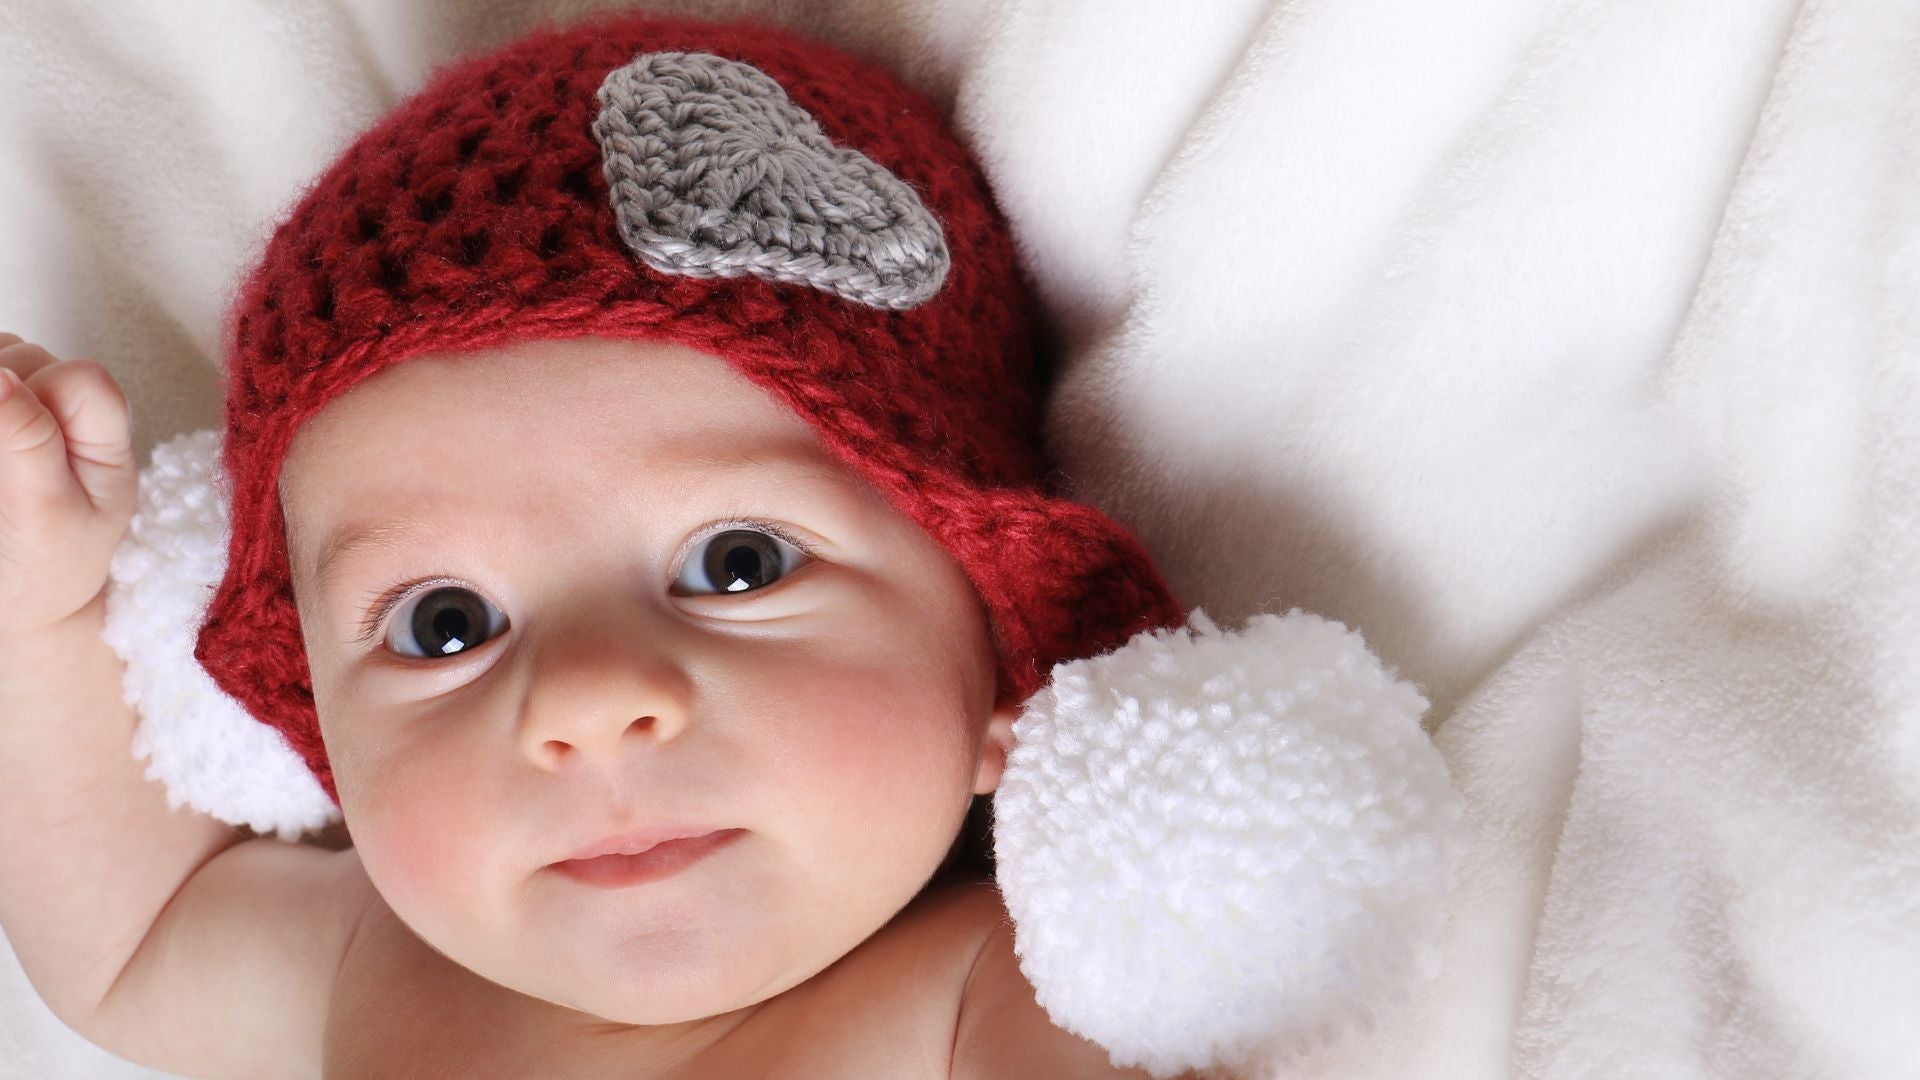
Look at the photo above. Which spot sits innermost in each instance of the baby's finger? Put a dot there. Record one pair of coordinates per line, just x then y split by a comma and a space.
92, 412
24, 357
33, 454
7, 339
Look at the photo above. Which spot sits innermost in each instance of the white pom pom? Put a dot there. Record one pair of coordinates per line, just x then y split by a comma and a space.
1225, 850
201, 744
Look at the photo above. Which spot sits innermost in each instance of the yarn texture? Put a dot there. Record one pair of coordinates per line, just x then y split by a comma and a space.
714, 173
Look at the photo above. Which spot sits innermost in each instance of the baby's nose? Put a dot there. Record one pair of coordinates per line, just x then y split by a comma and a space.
601, 690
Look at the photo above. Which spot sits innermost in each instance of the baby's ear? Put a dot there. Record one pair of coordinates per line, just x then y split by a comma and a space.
994, 746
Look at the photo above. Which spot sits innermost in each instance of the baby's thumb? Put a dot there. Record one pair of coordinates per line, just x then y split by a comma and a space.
98, 430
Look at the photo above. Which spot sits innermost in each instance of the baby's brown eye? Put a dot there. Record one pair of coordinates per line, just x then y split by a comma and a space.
736, 561
443, 622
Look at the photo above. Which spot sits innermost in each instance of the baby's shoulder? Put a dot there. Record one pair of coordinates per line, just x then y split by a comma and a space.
939, 993
1000, 1028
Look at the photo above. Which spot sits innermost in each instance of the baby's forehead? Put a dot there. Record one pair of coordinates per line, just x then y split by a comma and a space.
642, 408
322, 529
543, 429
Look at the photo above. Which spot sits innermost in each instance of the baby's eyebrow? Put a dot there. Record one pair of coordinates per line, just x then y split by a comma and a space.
354, 538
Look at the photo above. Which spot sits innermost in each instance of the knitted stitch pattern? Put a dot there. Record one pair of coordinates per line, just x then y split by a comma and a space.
476, 214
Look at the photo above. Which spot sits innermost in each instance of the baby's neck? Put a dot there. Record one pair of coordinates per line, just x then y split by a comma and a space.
655, 1050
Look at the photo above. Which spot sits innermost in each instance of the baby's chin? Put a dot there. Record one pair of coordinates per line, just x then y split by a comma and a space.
654, 978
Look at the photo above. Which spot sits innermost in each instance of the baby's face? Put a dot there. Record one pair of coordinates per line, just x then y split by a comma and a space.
612, 648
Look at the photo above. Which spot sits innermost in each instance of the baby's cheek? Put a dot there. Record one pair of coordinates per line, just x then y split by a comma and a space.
887, 743
423, 834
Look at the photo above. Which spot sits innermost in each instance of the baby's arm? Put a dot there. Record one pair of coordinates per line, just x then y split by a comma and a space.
89, 852
162, 935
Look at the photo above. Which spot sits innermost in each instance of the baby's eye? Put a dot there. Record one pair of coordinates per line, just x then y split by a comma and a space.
443, 622
739, 560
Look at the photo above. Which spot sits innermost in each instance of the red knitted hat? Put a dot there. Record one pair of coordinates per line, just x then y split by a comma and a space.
733, 188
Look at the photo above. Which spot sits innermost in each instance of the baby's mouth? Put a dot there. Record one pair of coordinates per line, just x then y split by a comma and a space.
652, 862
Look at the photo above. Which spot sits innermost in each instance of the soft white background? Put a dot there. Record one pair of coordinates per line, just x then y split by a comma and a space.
1568, 350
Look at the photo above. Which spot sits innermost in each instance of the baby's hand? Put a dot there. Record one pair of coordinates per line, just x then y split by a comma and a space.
67, 483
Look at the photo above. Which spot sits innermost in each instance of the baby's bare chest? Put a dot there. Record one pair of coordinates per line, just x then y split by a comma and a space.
887, 1009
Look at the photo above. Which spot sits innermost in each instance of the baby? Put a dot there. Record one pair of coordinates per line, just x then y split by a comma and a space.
638, 528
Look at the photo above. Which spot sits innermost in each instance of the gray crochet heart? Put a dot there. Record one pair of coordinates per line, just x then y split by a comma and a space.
714, 173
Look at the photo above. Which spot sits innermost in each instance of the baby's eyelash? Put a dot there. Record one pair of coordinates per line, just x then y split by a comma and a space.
381, 602
385, 600
767, 527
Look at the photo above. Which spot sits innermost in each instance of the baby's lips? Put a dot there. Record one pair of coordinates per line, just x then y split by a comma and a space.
636, 840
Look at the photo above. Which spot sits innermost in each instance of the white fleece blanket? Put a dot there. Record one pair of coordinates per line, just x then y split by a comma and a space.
1569, 350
